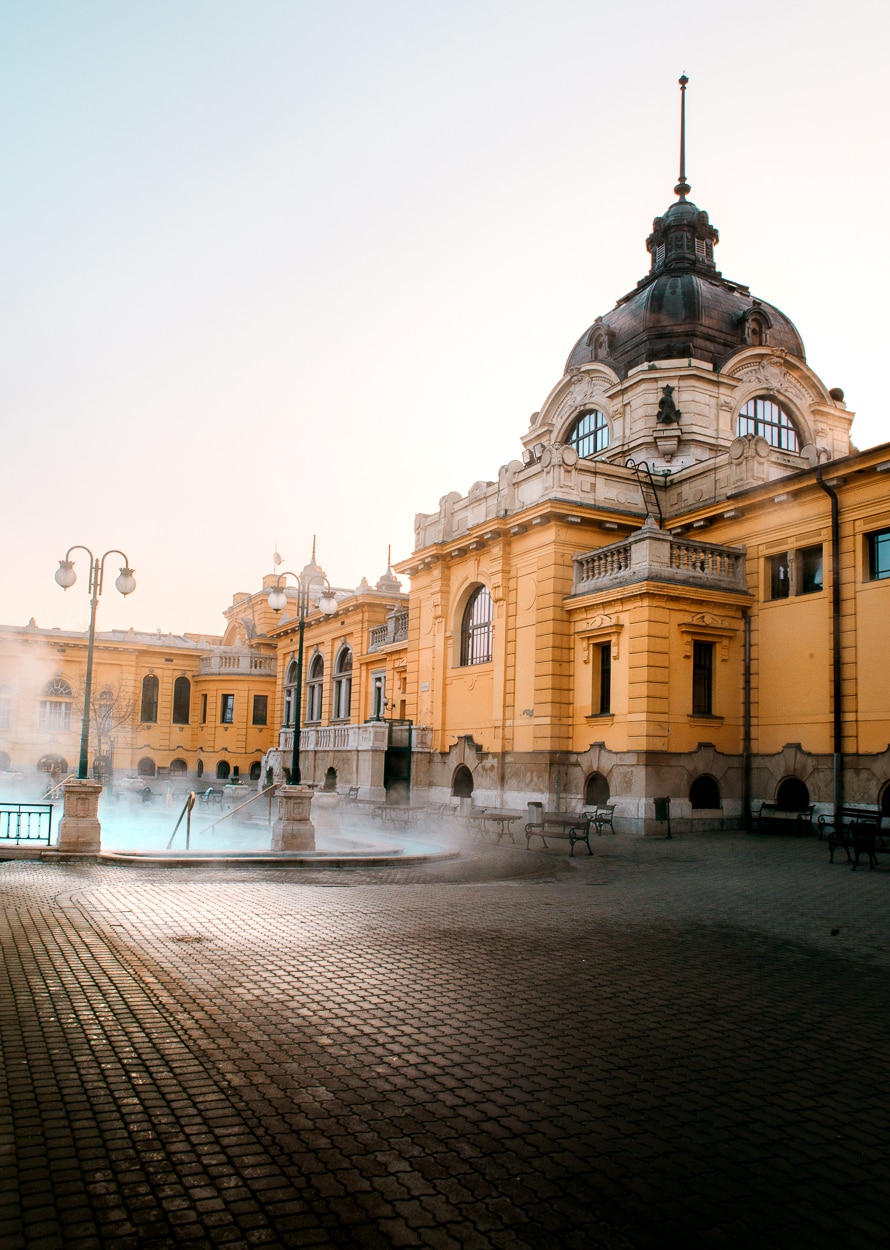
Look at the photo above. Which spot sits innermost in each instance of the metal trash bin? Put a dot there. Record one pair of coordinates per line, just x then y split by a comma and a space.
535, 813
663, 812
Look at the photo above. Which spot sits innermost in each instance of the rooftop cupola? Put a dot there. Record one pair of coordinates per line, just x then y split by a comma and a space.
684, 237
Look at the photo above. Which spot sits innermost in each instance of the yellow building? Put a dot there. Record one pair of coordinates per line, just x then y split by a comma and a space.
675, 591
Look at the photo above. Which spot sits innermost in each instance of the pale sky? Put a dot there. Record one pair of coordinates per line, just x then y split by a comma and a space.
275, 267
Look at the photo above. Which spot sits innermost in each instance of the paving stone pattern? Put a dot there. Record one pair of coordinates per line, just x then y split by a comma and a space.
666, 1044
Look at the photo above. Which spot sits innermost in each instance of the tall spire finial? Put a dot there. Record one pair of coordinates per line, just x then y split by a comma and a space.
682, 188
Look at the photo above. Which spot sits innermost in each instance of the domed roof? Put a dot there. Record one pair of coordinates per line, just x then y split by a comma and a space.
683, 307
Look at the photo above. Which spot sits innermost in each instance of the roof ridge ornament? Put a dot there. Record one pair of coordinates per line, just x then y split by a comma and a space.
682, 188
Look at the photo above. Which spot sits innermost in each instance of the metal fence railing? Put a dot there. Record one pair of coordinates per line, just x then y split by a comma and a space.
26, 822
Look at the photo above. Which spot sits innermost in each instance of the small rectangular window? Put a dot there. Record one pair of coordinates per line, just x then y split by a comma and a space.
702, 678
810, 570
260, 709
879, 555
203, 709
780, 576
605, 699
227, 709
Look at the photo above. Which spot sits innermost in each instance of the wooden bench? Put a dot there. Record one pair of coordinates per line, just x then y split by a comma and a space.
573, 826
855, 828
796, 822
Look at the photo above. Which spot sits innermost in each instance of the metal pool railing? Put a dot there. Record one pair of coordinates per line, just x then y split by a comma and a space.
26, 822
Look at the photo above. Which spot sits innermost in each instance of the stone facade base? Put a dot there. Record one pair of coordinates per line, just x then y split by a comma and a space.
79, 829
294, 830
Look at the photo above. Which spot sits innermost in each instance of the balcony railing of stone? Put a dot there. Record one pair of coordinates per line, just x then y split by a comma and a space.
652, 555
369, 736
394, 629
246, 662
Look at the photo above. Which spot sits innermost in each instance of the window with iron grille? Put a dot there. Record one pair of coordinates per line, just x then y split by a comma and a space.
475, 632
765, 418
589, 434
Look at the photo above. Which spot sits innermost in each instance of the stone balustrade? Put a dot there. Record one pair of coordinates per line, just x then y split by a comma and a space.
248, 663
650, 554
394, 629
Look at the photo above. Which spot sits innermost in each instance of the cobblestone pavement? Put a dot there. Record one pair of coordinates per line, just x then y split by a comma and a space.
666, 1044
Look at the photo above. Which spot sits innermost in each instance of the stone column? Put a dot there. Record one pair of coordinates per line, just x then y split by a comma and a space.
79, 829
293, 830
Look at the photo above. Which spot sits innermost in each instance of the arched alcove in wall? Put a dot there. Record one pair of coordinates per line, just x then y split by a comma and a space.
792, 795
462, 782
596, 790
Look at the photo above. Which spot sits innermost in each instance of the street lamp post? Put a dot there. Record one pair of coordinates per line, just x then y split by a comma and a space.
294, 831
79, 828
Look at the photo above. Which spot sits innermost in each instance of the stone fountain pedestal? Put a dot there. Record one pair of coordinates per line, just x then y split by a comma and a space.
79, 830
294, 830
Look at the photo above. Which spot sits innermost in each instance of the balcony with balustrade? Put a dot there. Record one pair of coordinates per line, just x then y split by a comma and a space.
394, 629
237, 661
650, 554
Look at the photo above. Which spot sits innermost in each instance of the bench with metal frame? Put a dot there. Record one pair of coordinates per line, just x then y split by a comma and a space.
575, 826
771, 813
856, 828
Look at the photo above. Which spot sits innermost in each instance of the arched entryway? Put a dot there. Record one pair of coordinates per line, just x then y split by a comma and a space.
704, 793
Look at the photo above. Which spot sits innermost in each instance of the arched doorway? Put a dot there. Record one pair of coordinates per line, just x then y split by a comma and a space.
222, 770
256, 770
146, 767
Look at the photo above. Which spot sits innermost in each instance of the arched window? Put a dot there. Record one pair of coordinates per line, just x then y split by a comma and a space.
146, 767
343, 684
475, 630
149, 712
462, 782
178, 768
330, 780
55, 765
765, 418
596, 791
256, 770
199, 769
792, 795
222, 770
704, 792
589, 434
314, 684
55, 705
182, 698
290, 693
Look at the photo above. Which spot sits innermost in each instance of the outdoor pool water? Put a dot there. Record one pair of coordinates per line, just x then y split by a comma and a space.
148, 830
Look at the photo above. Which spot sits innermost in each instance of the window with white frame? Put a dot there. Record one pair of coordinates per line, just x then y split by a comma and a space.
55, 705
314, 688
343, 684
